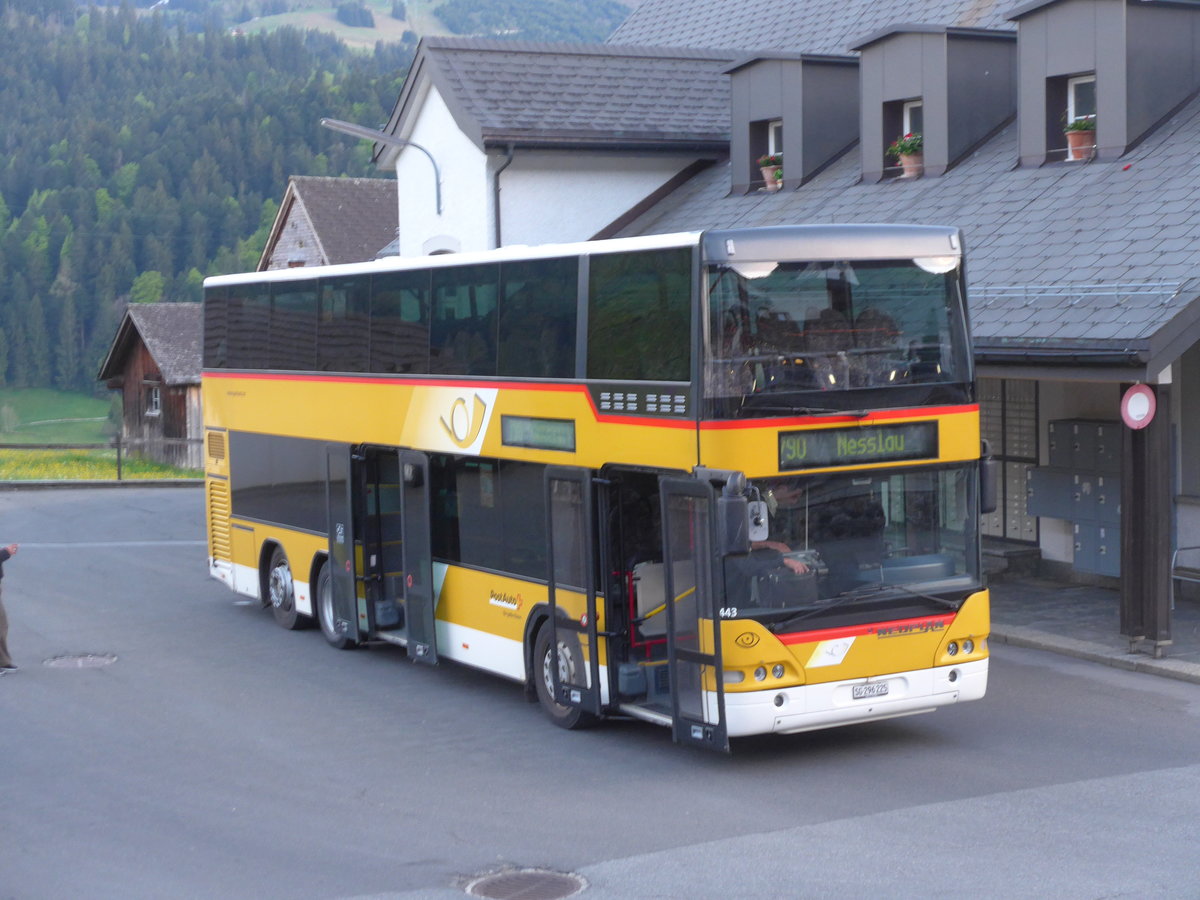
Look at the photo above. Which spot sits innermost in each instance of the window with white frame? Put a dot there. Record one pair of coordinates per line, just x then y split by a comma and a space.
1081, 97
775, 136
153, 400
914, 117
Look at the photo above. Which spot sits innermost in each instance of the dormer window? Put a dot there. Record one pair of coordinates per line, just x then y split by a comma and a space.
914, 117
1081, 97
775, 137
904, 125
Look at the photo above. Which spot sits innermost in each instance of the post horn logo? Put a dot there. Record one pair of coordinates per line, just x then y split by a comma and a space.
464, 424
746, 639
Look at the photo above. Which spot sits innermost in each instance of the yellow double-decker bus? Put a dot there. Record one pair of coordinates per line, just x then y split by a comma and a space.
728, 482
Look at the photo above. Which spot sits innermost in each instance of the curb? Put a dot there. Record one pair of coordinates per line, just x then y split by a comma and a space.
1033, 639
113, 483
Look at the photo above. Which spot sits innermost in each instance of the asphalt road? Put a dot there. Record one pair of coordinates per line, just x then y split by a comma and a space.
220, 756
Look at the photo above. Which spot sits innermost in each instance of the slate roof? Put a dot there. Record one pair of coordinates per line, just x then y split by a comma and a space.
352, 218
574, 95
172, 332
1090, 260
811, 26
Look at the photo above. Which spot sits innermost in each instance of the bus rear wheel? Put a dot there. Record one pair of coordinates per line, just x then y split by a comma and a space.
543, 677
326, 615
281, 592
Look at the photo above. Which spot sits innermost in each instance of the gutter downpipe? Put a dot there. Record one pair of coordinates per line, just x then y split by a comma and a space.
508, 158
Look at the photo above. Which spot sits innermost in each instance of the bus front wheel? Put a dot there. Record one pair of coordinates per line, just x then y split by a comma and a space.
543, 677
281, 592
326, 615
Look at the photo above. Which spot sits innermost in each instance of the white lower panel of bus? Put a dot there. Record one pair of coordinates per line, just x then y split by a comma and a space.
481, 649
484, 650
812, 706
244, 580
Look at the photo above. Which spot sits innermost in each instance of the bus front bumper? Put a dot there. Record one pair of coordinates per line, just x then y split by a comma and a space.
811, 706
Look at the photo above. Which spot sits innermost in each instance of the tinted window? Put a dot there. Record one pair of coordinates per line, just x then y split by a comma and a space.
249, 323
216, 350
639, 315
342, 327
278, 479
489, 513
400, 322
293, 325
537, 318
463, 331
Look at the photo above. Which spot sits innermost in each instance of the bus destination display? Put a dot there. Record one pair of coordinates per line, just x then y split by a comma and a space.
538, 434
855, 446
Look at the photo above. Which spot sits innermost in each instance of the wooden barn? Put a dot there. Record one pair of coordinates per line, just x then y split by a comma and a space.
155, 362
325, 221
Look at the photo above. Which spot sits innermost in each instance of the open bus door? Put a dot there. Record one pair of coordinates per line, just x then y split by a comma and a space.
571, 578
419, 600
340, 623
693, 580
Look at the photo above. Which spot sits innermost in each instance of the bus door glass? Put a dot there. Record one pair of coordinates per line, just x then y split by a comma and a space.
572, 588
693, 628
382, 538
340, 489
419, 600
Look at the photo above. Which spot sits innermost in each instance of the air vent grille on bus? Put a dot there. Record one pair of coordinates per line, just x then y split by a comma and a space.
216, 445
218, 519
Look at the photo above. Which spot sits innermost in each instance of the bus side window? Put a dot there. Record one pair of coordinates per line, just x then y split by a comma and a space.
399, 339
463, 333
639, 315
538, 308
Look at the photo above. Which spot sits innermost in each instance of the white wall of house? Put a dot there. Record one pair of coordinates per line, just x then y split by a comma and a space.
545, 196
465, 222
548, 196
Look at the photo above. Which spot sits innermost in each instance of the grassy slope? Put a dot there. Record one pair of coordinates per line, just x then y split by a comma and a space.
45, 416
323, 18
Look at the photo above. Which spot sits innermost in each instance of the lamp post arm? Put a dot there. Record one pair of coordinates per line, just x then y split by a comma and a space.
371, 134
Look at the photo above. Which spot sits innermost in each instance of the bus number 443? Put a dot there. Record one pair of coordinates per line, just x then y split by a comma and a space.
728, 612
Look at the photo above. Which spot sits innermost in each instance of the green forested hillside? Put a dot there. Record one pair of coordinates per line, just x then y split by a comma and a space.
534, 20
137, 157
144, 146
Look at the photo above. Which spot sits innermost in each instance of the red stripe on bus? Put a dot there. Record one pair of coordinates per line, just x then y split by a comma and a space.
790, 421
832, 634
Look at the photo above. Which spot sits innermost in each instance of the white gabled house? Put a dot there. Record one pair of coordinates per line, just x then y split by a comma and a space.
547, 142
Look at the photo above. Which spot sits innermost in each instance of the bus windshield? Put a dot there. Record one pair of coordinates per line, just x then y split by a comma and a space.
858, 543
796, 336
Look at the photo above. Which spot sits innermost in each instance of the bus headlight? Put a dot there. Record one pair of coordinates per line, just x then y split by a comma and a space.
952, 648
760, 674
777, 670
733, 676
968, 646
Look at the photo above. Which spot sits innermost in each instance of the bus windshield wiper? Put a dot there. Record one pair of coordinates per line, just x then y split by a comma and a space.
807, 410
864, 593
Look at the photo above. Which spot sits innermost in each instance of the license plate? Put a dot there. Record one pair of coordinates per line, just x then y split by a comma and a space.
874, 689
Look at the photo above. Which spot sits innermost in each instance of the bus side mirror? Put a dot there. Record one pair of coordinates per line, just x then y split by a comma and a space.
759, 526
414, 476
733, 517
989, 473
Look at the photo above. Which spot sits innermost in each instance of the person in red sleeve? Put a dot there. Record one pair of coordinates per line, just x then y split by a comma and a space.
6, 663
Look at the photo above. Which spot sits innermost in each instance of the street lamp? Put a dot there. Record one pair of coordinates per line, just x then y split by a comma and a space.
371, 134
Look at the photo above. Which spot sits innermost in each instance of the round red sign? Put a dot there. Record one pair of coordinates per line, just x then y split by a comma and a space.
1138, 406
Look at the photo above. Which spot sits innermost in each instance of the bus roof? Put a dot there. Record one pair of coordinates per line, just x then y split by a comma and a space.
831, 242
777, 242
509, 253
